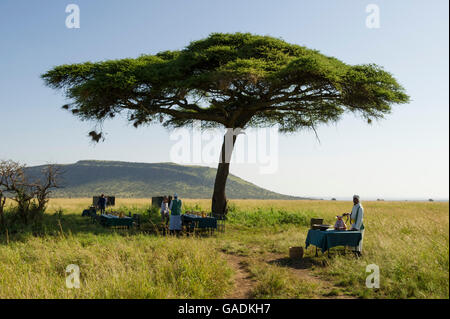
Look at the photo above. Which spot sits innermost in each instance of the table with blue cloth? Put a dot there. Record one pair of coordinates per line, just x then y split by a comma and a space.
332, 238
193, 222
112, 220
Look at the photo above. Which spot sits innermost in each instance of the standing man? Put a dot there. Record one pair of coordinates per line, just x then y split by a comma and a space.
165, 210
102, 204
175, 215
356, 220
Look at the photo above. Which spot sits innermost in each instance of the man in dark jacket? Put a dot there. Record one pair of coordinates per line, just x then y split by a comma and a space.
102, 204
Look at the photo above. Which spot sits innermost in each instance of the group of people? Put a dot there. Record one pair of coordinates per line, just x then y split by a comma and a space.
171, 213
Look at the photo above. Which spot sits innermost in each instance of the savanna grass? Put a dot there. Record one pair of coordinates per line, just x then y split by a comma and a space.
407, 240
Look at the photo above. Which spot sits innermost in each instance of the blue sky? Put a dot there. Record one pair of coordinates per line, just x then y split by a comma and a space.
404, 156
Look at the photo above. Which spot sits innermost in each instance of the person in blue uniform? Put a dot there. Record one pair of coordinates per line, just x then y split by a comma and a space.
175, 215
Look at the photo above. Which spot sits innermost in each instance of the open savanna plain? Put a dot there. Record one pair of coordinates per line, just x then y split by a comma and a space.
409, 241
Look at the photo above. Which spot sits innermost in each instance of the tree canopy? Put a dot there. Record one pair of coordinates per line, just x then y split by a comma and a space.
234, 80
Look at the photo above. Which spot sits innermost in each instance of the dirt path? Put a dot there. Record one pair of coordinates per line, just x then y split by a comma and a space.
244, 284
302, 270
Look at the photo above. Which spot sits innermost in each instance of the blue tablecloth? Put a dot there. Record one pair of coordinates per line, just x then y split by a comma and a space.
112, 220
332, 238
200, 222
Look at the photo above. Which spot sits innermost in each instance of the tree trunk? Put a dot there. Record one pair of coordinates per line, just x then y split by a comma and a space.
219, 199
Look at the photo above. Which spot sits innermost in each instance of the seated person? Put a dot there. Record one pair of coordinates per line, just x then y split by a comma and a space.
340, 224
165, 210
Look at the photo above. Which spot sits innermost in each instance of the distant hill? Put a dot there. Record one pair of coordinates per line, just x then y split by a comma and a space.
125, 179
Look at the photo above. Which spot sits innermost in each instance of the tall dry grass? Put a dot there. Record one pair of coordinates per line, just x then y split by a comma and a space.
407, 240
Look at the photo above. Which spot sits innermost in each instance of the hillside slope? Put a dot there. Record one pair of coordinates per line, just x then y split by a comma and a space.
125, 179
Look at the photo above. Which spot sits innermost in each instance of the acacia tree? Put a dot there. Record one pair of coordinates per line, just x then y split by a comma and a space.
50, 179
233, 81
15, 183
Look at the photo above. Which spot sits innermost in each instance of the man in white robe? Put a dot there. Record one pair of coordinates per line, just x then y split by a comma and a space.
356, 217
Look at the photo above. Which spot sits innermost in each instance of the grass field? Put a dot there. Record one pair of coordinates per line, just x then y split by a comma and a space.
409, 241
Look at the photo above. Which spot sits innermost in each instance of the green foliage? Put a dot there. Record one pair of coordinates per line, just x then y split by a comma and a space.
23, 219
30, 196
152, 215
190, 208
264, 217
234, 80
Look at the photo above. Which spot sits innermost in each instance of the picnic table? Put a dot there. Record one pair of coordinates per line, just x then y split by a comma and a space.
112, 220
198, 222
332, 238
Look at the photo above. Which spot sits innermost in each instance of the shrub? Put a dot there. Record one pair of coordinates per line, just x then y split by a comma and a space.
269, 217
